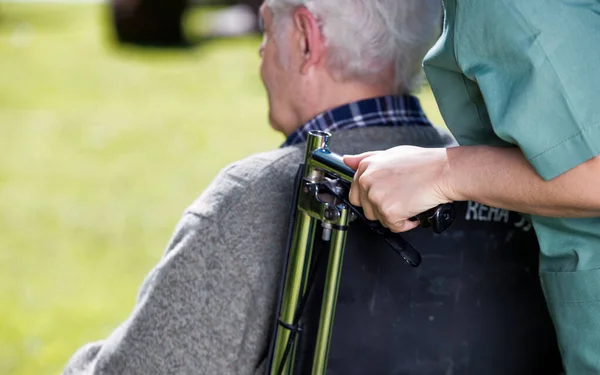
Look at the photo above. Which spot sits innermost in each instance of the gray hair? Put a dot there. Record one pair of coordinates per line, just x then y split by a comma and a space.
365, 37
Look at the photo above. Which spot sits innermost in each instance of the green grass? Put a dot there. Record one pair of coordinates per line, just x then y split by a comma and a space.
101, 149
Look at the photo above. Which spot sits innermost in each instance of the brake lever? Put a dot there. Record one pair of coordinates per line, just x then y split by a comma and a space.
395, 240
401, 246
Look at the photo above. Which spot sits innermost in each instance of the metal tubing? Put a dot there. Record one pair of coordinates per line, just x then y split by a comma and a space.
298, 264
328, 161
330, 293
316, 140
295, 283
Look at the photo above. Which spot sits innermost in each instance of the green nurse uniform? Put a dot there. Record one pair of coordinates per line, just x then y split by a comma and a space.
526, 73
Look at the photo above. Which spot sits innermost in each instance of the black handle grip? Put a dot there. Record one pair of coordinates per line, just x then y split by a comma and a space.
438, 218
403, 248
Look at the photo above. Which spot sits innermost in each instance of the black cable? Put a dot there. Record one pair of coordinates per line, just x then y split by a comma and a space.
395, 240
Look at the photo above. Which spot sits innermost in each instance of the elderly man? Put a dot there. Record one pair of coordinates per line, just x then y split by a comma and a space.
347, 66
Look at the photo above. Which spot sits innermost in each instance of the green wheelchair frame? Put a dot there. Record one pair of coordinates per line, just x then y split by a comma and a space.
322, 189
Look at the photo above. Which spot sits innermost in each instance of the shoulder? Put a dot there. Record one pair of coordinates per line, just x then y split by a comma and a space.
249, 181
359, 140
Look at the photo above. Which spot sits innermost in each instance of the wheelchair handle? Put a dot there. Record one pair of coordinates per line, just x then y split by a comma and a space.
439, 218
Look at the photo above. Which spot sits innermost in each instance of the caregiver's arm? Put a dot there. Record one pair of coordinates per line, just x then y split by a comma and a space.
502, 177
396, 184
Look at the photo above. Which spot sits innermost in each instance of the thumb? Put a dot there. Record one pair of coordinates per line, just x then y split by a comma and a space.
354, 160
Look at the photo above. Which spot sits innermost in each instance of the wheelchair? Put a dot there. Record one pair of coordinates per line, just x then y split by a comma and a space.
468, 302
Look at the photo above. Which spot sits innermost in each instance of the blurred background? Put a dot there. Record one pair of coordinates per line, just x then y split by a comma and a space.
114, 116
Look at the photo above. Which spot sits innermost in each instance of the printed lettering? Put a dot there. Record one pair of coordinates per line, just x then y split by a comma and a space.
472, 211
524, 223
481, 212
502, 215
493, 214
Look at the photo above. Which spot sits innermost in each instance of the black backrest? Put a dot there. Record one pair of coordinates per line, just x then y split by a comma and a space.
474, 305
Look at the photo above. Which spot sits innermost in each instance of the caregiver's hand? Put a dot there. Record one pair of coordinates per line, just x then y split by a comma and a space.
394, 185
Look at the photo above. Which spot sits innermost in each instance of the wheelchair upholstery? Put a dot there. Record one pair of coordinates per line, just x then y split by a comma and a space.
473, 306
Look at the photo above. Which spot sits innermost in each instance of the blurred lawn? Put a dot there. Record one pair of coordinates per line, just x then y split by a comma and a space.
102, 149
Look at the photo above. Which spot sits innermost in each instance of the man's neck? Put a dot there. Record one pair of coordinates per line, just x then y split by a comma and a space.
373, 111
341, 94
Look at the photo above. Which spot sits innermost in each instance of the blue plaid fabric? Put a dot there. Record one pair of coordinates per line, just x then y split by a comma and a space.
383, 111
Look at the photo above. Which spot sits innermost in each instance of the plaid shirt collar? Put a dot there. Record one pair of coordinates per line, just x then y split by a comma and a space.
402, 110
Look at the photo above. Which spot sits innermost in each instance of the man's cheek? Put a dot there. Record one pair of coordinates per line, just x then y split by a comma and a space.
263, 75
270, 77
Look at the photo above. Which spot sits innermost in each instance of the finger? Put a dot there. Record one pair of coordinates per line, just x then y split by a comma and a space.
402, 226
355, 188
368, 208
370, 198
370, 213
354, 194
354, 160
379, 217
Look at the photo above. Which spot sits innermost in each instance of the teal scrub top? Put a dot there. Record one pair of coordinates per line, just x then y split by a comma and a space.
526, 73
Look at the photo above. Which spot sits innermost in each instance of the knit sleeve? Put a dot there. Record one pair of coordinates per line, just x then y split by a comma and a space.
207, 306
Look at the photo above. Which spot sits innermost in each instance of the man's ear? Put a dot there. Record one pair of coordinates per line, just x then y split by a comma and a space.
310, 42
